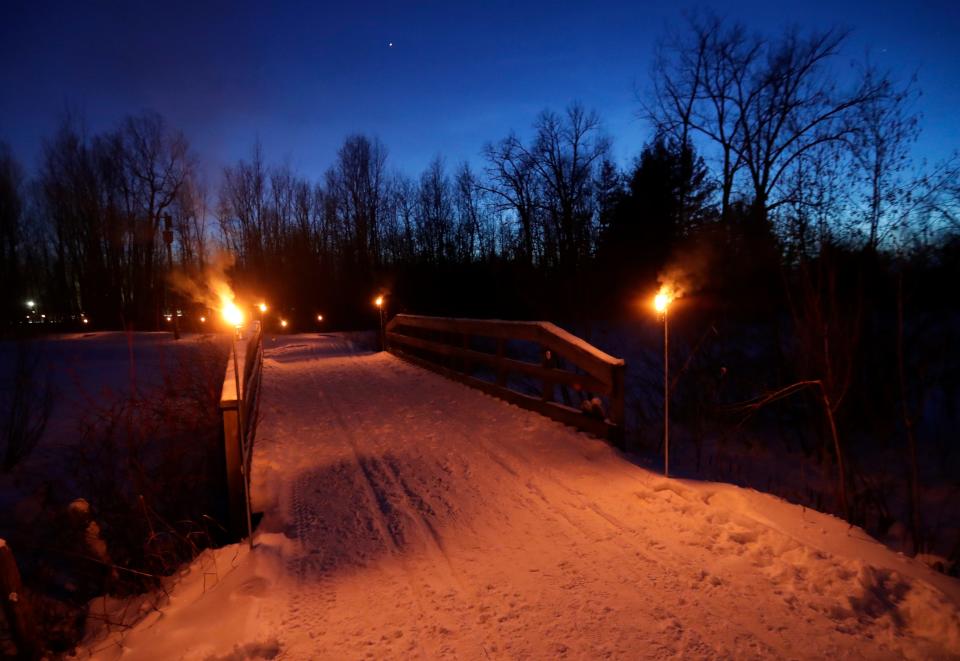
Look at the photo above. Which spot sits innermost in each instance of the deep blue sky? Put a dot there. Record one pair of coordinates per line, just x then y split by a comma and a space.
301, 78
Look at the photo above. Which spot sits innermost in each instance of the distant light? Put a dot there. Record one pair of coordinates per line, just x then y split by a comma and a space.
31, 304
168, 318
43, 316
283, 322
85, 320
203, 320
263, 307
319, 317
378, 301
390, 45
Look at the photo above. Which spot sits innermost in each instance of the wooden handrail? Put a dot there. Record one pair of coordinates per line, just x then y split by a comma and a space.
238, 406
599, 373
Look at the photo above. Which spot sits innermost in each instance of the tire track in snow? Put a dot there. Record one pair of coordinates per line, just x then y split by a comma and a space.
311, 606
752, 639
387, 472
420, 480
539, 503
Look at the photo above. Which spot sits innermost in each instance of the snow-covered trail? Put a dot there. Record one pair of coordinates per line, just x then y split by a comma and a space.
408, 516
431, 520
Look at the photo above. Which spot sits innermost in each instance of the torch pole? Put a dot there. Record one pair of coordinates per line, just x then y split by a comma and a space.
383, 337
666, 396
168, 239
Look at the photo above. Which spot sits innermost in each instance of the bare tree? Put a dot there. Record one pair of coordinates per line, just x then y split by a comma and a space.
566, 155
156, 163
881, 147
512, 181
243, 204
358, 182
435, 228
474, 240
695, 78
765, 103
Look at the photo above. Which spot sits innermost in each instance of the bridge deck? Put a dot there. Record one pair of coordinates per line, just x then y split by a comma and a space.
411, 516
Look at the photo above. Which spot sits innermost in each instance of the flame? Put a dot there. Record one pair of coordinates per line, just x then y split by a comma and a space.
378, 301
232, 314
283, 322
664, 297
263, 307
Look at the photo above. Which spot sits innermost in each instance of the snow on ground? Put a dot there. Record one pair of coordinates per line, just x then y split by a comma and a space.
408, 516
89, 370
86, 373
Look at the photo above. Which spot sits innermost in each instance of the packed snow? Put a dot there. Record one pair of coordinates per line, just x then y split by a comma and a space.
408, 516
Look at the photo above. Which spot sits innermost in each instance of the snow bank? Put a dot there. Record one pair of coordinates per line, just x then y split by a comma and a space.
212, 611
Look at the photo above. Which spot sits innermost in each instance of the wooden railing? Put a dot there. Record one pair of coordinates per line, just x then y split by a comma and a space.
448, 346
238, 408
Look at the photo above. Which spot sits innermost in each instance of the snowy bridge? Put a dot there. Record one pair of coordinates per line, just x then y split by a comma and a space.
406, 515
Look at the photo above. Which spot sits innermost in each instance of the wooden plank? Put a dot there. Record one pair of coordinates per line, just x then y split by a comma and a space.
603, 374
548, 384
510, 330
16, 608
591, 360
233, 454
501, 357
532, 331
558, 412
578, 356
506, 365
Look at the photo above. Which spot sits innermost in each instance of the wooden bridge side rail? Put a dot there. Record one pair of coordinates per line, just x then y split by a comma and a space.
602, 373
236, 404
588, 358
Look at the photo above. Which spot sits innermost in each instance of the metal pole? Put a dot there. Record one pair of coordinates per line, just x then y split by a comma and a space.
383, 337
666, 396
168, 239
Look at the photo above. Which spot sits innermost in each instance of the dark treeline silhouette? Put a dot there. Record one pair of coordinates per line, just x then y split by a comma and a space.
777, 189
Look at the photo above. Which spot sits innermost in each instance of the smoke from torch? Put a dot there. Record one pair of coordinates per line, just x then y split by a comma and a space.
687, 272
211, 288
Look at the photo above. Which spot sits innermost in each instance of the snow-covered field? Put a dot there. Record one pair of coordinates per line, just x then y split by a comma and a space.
407, 516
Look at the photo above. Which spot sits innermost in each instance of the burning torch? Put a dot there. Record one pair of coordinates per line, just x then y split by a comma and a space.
378, 301
661, 303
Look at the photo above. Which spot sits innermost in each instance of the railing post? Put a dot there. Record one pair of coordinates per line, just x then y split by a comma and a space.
501, 373
547, 362
467, 365
617, 403
16, 608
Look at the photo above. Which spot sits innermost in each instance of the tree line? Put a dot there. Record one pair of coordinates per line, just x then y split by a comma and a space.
759, 143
